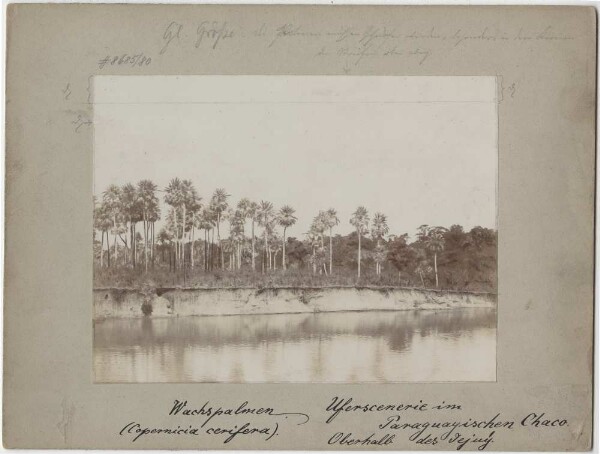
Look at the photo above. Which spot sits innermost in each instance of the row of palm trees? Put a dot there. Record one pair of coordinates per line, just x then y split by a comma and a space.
122, 208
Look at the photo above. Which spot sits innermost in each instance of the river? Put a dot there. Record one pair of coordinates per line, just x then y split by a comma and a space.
342, 347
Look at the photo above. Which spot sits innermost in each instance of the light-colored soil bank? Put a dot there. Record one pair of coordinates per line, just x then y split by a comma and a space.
181, 302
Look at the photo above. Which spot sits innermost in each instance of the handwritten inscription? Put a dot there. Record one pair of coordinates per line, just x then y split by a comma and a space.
80, 120
223, 422
213, 33
380, 424
428, 424
352, 45
131, 60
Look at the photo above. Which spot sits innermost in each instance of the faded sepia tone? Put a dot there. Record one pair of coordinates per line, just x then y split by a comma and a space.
545, 60
242, 197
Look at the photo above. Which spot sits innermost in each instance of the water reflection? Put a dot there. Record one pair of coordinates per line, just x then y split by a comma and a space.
456, 345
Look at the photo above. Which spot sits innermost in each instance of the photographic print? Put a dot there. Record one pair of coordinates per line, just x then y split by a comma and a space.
302, 229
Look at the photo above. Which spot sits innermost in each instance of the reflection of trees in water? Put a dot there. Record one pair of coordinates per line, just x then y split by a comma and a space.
397, 327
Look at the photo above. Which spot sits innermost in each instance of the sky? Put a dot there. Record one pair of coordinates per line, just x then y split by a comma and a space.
421, 150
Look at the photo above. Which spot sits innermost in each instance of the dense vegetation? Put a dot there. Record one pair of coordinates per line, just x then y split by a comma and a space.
221, 244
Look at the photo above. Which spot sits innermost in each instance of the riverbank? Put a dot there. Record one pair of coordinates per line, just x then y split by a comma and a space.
165, 302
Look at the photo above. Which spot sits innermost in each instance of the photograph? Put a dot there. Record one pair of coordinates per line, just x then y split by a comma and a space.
295, 229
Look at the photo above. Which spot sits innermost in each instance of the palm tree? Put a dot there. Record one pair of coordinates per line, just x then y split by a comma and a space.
219, 205
189, 205
252, 214
103, 222
174, 197
433, 239
319, 226
379, 229
196, 215
331, 220
360, 221
164, 238
206, 222
153, 216
313, 239
286, 219
131, 207
148, 200
111, 199
264, 216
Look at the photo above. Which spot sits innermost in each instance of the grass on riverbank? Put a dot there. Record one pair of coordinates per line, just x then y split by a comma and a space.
198, 278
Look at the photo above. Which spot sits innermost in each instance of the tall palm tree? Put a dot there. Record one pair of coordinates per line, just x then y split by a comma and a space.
379, 229
111, 199
331, 221
252, 214
434, 240
206, 222
174, 196
313, 240
103, 222
319, 226
219, 205
195, 220
264, 217
286, 219
131, 207
189, 205
154, 215
360, 221
237, 237
148, 200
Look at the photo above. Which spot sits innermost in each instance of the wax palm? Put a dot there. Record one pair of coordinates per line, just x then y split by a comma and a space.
174, 196
219, 205
286, 219
251, 212
434, 239
131, 208
206, 221
331, 220
264, 217
103, 222
379, 229
148, 202
111, 198
360, 221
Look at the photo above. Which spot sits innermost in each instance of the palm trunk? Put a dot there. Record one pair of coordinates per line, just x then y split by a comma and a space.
183, 235
115, 227
330, 252
153, 245
131, 241
377, 268
283, 256
435, 268
212, 250
102, 250
219, 240
145, 244
253, 264
359, 235
205, 250
192, 248
265, 254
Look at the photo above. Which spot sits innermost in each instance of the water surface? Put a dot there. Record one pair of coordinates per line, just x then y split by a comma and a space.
349, 347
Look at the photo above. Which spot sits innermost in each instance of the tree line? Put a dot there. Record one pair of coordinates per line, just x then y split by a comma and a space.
214, 234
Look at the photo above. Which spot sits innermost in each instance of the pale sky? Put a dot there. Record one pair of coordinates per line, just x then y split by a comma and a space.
422, 150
